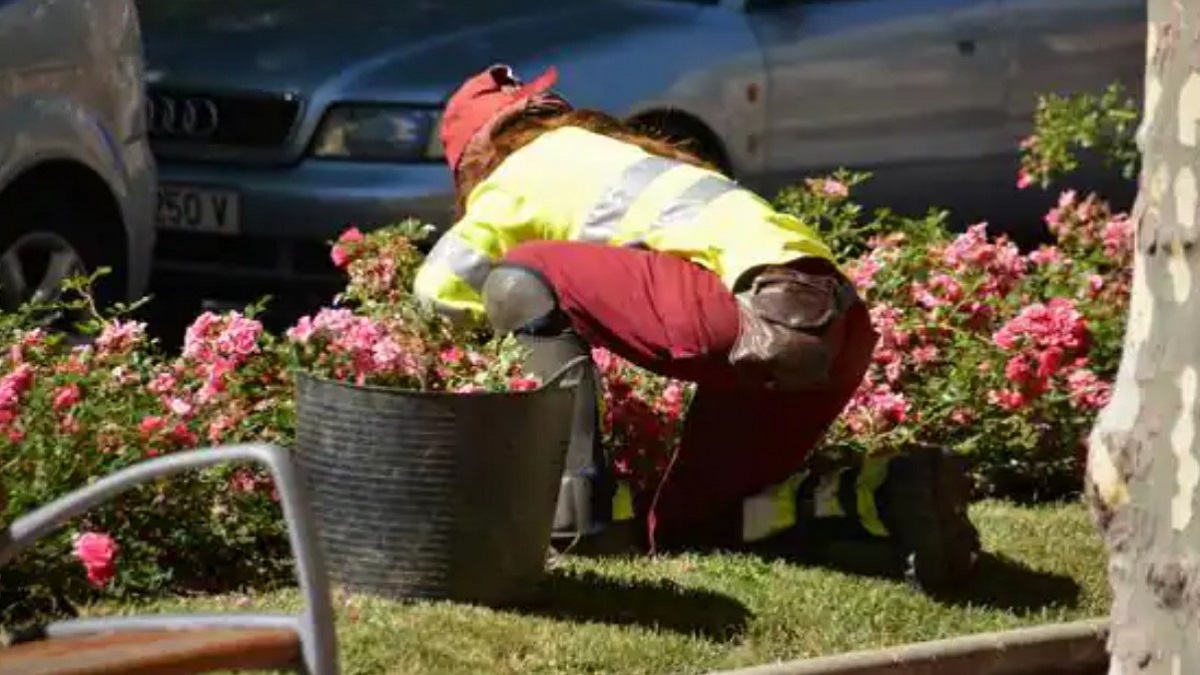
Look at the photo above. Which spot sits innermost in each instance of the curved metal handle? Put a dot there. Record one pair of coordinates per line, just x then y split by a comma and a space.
318, 638
567, 367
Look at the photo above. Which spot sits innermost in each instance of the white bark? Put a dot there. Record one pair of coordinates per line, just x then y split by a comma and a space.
1143, 468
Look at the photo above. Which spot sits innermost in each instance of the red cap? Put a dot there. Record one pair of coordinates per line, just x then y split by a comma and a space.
486, 99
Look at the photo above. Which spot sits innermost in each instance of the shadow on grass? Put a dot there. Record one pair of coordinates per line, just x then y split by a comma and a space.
999, 583
1010, 585
661, 605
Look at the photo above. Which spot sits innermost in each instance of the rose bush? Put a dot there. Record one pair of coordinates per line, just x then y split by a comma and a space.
70, 413
1068, 128
1003, 356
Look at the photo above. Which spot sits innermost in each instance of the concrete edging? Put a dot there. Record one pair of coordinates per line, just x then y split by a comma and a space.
1025, 651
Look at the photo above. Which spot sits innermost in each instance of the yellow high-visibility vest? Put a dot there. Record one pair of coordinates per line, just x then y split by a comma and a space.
571, 184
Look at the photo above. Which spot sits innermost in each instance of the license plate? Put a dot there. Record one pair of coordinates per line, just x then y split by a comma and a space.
197, 210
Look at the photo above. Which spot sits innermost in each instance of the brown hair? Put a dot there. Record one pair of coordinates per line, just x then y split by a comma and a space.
519, 130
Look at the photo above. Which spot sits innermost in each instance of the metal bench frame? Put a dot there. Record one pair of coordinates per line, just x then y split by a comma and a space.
314, 625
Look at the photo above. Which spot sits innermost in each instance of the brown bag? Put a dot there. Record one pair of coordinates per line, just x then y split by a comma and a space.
784, 335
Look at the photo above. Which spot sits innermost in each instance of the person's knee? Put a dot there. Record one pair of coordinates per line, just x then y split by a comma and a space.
519, 299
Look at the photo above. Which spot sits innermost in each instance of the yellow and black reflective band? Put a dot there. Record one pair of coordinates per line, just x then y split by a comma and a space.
771, 511
871, 477
622, 503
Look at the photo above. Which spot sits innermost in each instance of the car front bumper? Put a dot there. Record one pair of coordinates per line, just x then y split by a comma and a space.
288, 215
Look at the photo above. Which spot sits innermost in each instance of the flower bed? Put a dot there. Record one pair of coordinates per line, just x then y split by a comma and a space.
1001, 355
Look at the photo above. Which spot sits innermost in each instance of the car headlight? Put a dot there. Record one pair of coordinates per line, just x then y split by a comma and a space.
379, 133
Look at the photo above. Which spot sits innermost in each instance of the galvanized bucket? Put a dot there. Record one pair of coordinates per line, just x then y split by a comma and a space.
434, 495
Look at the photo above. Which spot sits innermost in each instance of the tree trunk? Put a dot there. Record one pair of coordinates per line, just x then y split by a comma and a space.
1144, 455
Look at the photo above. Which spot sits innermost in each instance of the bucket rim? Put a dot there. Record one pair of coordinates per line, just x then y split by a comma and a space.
302, 374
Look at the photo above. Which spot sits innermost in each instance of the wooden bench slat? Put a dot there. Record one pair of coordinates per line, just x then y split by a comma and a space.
156, 652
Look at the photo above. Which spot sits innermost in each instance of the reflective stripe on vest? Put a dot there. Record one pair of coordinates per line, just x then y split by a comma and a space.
772, 510
605, 216
467, 263
601, 223
685, 209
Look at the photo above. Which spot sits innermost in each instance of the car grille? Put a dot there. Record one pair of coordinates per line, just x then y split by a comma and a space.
257, 120
290, 256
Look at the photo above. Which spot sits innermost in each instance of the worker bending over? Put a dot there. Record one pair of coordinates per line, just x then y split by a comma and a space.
575, 231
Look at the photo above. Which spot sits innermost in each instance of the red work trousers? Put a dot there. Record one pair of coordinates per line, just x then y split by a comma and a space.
675, 318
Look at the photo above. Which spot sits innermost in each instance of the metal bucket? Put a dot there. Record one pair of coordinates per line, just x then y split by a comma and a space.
434, 495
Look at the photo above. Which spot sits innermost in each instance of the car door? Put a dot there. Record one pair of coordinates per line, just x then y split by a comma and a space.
1072, 47
912, 90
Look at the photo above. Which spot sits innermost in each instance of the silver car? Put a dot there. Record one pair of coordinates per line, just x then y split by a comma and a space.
77, 179
279, 122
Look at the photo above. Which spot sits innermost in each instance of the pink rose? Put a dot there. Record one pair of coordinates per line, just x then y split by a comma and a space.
303, 331
452, 354
180, 407
98, 553
119, 336
151, 424
925, 354
834, 188
66, 397
605, 360
340, 253
162, 384
242, 482
183, 436
672, 399
352, 235
1046, 255
1087, 390
1024, 180
1007, 399
240, 337
521, 383
862, 272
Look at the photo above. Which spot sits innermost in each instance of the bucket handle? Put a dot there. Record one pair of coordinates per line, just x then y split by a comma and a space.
566, 369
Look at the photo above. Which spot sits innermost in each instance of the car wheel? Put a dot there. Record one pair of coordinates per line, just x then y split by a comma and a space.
34, 266
45, 241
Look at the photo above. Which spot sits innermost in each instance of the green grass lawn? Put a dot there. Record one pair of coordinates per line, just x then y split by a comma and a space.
699, 613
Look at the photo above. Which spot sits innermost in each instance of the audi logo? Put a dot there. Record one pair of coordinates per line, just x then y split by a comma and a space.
191, 118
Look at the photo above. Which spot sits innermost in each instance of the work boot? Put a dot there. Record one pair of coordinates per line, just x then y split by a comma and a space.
923, 505
913, 505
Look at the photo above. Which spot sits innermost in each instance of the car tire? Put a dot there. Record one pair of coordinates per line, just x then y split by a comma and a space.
46, 238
